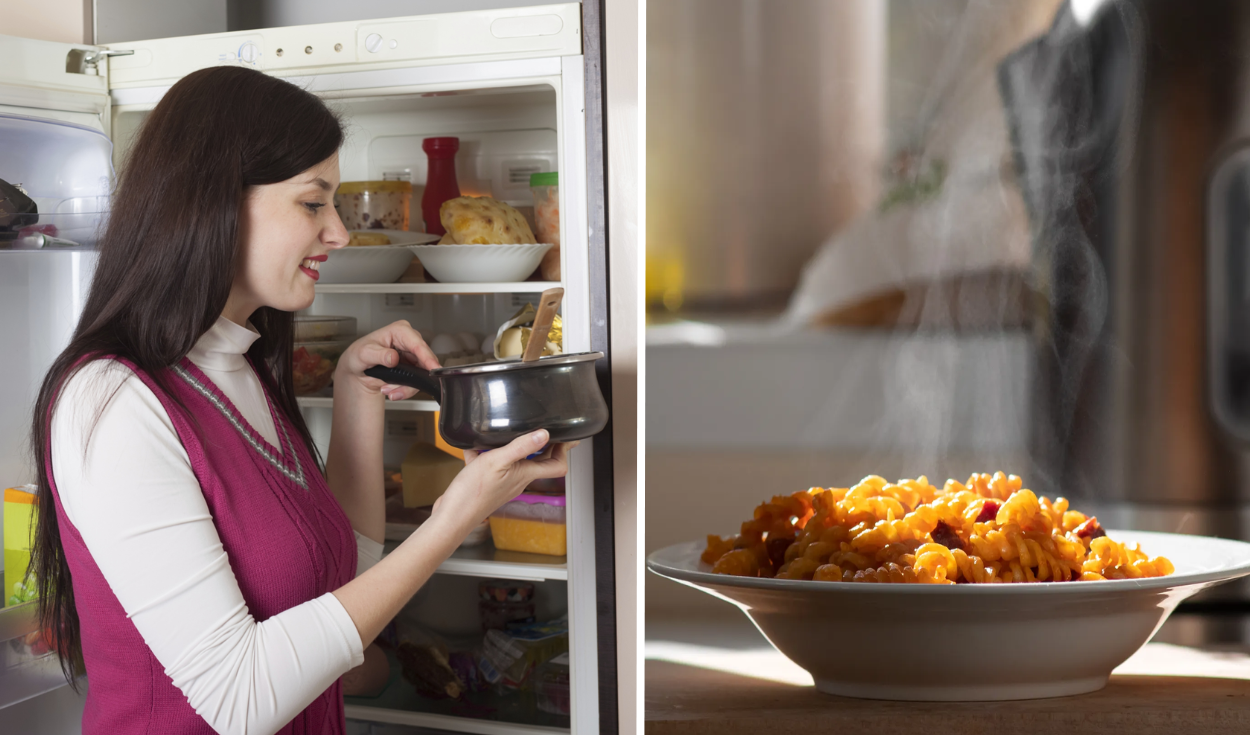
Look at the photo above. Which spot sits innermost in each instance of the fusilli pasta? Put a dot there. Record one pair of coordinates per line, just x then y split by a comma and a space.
990, 529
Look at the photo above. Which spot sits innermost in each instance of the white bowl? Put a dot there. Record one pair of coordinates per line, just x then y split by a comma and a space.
966, 642
481, 263
372, 263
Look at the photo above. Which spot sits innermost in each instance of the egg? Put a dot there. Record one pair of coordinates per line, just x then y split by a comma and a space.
488, 345
445, 344
469, 341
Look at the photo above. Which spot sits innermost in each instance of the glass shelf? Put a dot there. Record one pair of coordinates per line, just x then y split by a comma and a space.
484, 560
483, 713
410, 405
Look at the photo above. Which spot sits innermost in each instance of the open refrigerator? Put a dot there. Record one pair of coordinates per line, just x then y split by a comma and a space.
520, 88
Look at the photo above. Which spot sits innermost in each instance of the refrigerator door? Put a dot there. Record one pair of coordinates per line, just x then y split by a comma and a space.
53, 88
41, 298
41, 292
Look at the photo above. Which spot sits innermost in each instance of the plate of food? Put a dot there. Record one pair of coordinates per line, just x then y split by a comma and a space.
971, 591
486, 241
372, 256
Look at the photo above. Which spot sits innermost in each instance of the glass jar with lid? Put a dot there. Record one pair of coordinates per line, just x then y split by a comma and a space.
374, 205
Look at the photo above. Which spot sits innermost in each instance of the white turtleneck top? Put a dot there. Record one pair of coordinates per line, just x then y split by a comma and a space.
134, 499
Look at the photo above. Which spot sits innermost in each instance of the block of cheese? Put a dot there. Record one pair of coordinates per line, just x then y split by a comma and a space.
533, 537
427, 471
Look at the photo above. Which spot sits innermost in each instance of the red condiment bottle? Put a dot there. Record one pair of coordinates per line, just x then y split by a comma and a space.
440, 182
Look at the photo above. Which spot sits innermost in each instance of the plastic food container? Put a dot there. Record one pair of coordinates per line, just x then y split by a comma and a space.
531, 523
374, 205
324, 328
546, 191
21, 513
313, 364
551, 685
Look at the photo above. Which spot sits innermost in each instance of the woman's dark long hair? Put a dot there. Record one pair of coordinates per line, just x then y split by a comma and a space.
167, 260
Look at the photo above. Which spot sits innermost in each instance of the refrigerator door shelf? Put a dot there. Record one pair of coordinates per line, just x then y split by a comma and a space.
36, 78
27, 667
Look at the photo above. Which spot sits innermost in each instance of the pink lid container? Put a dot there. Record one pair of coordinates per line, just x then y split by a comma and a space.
531, 498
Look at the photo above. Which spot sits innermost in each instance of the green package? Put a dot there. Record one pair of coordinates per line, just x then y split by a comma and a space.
20, 513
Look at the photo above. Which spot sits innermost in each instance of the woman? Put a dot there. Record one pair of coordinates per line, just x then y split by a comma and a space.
191, 551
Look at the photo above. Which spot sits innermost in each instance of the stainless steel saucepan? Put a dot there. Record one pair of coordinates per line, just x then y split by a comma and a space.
487, 405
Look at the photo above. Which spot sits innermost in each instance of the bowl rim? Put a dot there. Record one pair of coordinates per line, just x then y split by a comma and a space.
358, 249
423, 238
449, 247
660, 562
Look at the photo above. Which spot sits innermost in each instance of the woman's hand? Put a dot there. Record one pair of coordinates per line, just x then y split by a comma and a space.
387, 346
493, 478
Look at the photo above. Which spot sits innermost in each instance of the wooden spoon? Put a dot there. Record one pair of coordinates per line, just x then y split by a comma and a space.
547, 305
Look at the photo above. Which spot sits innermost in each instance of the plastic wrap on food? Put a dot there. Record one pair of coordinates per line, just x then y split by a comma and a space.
507, 658
514, 334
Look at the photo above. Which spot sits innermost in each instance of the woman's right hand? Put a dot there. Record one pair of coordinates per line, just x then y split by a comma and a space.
493, 478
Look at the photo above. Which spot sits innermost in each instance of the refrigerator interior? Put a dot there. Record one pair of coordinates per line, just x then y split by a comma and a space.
505, 134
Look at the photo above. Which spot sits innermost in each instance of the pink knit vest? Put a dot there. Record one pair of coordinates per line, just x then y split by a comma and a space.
286, 536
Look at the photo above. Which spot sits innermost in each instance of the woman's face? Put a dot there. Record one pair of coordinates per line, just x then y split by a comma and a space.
286, 230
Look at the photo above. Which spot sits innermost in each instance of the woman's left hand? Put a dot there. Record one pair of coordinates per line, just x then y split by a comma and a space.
396, 342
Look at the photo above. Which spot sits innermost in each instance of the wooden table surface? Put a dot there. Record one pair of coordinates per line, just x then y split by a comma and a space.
686, 700
709, 689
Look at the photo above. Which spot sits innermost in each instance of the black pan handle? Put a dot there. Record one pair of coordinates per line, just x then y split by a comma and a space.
413, 377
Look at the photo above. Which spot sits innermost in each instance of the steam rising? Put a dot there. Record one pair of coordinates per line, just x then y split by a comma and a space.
1029, 124
1071, 101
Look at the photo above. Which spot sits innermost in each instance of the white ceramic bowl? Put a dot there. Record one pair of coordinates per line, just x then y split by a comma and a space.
372, 263
965, 642
481, 263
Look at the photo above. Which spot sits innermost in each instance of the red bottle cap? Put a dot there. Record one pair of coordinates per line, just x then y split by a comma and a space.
440, 147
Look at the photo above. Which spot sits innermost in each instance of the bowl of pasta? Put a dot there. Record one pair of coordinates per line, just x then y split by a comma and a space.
972, 591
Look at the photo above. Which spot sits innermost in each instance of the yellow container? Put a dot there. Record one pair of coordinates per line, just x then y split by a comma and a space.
20, 514
531, 523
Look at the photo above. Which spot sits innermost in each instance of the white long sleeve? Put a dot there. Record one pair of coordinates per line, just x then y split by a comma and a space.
138, 506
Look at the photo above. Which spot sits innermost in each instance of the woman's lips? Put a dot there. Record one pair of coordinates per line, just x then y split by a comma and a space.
310, 266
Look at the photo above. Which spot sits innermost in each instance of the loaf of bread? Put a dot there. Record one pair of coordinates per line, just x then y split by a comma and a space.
484, 221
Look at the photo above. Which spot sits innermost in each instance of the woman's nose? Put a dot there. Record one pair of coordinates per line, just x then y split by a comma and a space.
336, 235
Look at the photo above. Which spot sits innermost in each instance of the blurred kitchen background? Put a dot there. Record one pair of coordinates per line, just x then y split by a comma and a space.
907, 237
